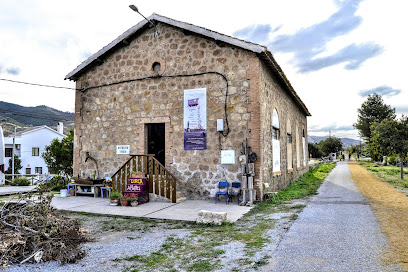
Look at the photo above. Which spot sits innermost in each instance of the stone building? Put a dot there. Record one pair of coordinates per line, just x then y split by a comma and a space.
139, 91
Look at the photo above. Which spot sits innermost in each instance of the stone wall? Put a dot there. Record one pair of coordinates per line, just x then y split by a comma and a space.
117, 114
274, 97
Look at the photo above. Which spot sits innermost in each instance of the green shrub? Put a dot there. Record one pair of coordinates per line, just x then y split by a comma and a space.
20, 182
115, 195
56, 183
392, 160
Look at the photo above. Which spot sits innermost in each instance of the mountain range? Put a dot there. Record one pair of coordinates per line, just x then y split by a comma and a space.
346, 141
16, 115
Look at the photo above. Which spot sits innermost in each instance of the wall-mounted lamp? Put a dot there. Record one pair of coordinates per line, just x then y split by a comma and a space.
134, 8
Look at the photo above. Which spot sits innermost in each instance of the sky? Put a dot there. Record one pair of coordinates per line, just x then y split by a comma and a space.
334, 52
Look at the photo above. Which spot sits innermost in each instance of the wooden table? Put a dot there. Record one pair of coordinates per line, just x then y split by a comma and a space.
91, 189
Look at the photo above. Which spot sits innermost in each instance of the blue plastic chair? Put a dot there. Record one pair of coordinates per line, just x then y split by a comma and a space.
222, 185
235, 192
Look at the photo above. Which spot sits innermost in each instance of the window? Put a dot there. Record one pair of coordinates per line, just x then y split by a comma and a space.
8, 152
289, 138
28, 171
36, 151
275, 133
38, 170
289, 146
276, 142
304, 147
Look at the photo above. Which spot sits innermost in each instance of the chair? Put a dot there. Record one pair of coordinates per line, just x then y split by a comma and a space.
222, 191
235, 190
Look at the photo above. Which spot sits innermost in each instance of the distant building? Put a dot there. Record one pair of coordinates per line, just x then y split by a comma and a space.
30, 144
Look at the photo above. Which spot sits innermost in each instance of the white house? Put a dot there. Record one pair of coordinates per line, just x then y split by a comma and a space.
30, 144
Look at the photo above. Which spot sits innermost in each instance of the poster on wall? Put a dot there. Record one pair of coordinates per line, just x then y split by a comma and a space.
195, 119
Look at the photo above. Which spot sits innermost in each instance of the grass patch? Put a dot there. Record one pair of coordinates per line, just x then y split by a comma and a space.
390, 174
304, 186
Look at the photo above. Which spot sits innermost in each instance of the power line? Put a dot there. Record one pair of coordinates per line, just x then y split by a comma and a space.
37, 84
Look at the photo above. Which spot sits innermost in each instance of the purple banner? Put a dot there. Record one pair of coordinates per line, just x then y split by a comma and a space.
195, 119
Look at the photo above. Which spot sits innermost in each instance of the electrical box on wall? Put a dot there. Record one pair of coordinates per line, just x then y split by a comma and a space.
227, 156
220, 125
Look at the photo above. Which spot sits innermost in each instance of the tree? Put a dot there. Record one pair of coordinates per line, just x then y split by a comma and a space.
372, 110
391, 137
330, 145
59, 155
17, 165
314, 150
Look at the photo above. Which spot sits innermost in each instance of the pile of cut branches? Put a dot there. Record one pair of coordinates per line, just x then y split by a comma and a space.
31, 231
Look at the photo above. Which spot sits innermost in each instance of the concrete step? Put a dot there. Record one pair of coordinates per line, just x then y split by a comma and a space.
178, 194
181, 199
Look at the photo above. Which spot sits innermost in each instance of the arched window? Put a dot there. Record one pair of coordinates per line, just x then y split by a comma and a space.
304, 147
297, 147
289, 145
276, 141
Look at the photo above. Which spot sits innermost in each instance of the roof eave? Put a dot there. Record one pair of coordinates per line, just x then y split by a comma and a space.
267, 57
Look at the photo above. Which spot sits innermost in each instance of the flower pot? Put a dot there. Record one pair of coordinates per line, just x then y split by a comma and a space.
124, 202
72, 192
114, 202
134, 203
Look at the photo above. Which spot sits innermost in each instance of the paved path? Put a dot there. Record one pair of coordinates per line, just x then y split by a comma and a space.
185, 211
337, 231
9, 190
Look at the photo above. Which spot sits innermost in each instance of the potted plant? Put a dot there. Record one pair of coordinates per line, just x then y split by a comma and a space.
108, 182
114, 198
124, 201
134, 201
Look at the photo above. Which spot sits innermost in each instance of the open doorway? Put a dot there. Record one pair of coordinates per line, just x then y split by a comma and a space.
156, 141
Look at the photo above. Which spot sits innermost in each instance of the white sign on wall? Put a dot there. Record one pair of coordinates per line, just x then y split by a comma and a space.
227, 156
123, 149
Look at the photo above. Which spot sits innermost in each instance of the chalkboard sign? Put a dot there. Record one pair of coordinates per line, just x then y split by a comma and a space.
138, 187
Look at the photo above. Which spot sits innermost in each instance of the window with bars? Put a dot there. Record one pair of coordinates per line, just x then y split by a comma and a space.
38, 170
8, 152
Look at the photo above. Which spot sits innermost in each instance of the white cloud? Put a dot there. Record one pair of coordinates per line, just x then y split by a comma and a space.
45, 40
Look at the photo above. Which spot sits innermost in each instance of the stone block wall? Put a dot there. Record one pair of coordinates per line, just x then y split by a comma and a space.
274, 97
117, 114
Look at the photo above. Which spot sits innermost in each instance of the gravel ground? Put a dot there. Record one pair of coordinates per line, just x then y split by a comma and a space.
390, 206
337, 231
161, 245
153, 234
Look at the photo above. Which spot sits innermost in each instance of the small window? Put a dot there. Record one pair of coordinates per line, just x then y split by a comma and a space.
28, 171
36, 151
8, 152
289, 138
156, 67
275, 133
38, 170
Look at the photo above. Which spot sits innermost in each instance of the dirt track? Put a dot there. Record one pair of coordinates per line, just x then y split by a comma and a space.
391, 210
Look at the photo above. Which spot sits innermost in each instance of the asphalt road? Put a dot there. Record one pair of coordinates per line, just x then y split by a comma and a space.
337, 231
